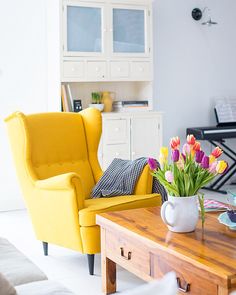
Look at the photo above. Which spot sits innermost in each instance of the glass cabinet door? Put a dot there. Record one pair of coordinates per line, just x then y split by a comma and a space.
83, 29
129, 30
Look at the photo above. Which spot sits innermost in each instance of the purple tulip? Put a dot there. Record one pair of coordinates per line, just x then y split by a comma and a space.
175, 155
153, 164
183, 156
205, 162
199, 156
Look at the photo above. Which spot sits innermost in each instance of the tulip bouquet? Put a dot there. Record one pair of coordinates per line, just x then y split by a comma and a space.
190, 170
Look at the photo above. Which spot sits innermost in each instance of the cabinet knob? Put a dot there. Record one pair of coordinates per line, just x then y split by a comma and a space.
97, 69
133, 153
72, 69
111, 30
117, 154
141, 69
117, 129
118, 69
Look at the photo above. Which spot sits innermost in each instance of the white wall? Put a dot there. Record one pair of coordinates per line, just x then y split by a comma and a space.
23, 79
193, 63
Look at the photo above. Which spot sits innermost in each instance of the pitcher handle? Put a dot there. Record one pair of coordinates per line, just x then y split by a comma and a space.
163, 212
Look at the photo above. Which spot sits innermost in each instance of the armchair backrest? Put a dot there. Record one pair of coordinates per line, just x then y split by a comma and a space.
50, 144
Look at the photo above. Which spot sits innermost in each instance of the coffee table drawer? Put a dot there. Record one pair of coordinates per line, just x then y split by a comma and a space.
128, 254
190, 279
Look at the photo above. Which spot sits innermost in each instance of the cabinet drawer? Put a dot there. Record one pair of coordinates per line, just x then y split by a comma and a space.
141, 70
119, 69
115, 131
127, 253
96, 69
114, 151
73, 69
187, 274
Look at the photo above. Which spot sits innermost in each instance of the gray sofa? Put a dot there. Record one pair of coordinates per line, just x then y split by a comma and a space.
18, 275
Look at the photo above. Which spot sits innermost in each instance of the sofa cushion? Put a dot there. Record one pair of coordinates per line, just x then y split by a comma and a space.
42, 288
16, 267
87, 216
6, 287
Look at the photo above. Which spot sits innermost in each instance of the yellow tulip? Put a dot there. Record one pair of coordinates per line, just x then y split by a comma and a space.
164, 152
163, 155
221, 167
211, 159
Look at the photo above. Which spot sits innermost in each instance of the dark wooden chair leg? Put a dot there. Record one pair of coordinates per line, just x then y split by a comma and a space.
45, 248
91, 263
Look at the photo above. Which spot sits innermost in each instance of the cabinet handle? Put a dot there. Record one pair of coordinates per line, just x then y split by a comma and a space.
123, 255
184, 289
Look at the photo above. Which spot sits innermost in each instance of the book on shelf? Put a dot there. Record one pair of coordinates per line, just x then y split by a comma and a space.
66, 98
122, 106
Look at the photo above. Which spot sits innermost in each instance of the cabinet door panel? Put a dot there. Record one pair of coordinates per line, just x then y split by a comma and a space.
146, 137
114, 151
130, 30
83, 32
116, 131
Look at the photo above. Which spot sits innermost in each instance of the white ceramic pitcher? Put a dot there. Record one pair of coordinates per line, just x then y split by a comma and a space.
180, 214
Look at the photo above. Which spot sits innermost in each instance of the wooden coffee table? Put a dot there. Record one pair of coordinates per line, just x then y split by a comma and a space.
140, 242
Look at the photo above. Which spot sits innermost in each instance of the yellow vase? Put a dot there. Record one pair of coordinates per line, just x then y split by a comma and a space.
107, 100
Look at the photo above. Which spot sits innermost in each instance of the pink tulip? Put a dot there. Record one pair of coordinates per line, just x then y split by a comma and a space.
169, 176
186, 149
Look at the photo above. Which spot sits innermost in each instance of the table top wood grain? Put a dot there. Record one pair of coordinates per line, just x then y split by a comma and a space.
213, 251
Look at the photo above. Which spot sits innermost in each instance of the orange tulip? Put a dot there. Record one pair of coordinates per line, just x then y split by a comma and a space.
191, 139
175, 143
217, 152
197, 146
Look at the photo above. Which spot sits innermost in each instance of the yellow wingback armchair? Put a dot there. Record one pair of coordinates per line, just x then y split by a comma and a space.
57, 166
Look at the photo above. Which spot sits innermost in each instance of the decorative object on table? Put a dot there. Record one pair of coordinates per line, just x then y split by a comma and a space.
231, 210
107, 99
224, 219
97, 101
77, 105
188, 172
214, 206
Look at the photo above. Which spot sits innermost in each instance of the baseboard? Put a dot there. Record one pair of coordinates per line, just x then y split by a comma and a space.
11, 204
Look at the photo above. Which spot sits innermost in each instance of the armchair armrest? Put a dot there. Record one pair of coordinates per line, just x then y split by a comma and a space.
67, 181
144, 183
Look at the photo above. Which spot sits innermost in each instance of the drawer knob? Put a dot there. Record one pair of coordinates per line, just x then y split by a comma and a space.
184, 289
123, 254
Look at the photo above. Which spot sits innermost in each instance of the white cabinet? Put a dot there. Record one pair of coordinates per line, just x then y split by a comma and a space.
112, 38
130, 136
